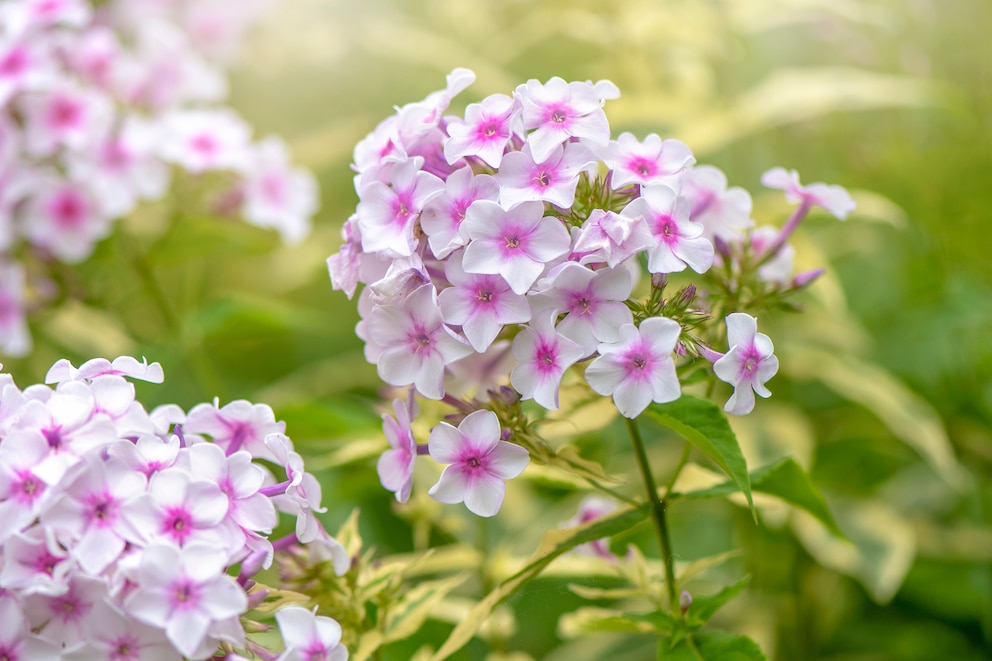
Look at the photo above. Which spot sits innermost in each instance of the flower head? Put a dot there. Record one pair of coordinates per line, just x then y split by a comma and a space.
749, 363
479, 463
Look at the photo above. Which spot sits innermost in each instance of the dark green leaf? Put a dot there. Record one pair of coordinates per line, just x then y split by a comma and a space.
704, 425
783, 479
711, 645
703, 607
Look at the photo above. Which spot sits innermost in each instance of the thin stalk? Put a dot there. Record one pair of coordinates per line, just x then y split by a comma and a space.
658, 507
686, 451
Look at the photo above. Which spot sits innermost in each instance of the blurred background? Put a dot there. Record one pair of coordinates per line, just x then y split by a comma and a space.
885, 392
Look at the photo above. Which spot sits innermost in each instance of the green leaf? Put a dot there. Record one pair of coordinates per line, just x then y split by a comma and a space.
406, 617
703, 607
554, 543
783, 479
703, 423
589, 620
711, 645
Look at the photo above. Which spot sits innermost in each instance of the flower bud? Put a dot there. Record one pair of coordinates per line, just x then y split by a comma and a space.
722, 247
806, 278
659, 280
685, 600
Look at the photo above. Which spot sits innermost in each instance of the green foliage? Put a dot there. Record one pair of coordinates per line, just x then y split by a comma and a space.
702, 423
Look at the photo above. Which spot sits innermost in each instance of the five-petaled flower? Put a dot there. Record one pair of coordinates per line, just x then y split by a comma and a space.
479, 463
749, 363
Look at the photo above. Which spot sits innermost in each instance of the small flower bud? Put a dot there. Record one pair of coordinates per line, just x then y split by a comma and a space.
722, 247
709, 354
256, 598
689, 293
659, 280
806, 278
685, 600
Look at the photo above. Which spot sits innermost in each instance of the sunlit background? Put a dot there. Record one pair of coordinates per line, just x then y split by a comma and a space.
885, 392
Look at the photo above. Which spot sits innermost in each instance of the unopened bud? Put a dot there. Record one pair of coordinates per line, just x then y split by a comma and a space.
806, 278
709, 354
689, 293
659, 280
685, 600
256, 598
722, 247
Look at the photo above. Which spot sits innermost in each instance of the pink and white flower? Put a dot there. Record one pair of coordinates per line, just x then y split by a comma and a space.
517, 243
309, 637
544, 355
389, 208
835, 199
638, 368
479, 463
442, 216
558, 111
748, 364
415, 343
679, 242
653, 161
395, 465
485, 131
553, 179
481, 304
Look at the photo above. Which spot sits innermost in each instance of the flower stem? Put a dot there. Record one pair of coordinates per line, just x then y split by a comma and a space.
658, 507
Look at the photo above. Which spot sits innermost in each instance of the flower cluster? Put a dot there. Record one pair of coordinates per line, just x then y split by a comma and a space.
98, 106
509, 245
122, 527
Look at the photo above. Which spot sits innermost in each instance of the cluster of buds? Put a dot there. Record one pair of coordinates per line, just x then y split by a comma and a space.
130, 534
509, 245
98, 106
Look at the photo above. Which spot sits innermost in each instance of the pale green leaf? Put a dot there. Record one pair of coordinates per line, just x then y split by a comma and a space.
554, 543
587, 620
406, 617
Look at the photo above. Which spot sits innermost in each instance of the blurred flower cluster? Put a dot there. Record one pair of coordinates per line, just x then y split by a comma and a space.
509, 245
122, 528
101, 105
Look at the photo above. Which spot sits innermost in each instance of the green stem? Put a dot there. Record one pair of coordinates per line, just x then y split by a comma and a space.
658, 507
612, 492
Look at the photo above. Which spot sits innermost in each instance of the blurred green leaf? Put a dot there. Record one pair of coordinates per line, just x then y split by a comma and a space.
711, 645
704, 424
554, 543
588, 620
406, 617
783, 479
704, 607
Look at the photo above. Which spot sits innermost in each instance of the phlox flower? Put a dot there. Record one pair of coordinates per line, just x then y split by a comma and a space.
590, 509
748, 365
611, 237
479, 462
238, 425
22, 492
395, 465
592, 302
485, 131
180, 510
127, 366
275, 195
679, 242
553, 179
202, 140
121, 638
89, 510
240, 480
309, 637
638, 368
17, 643
653, 161
558, 111
442, 216
835, 199
415, 343
389, 208
66, 618
544, 355
66, 116
481, 304
186, 593
14, 337
63, 218
516, 243
35, 563
723, 212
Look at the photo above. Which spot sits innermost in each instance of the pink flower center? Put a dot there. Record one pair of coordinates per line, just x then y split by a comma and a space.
667, 230
178, 524
204, 144
546, 357
558, 114
28, 488
64, 114
750, 359
67, 209
185, 594
274, 188
639, 362
46, 563
125, 648
53, 435
642, 166
115, 156
102, 509
14, 64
